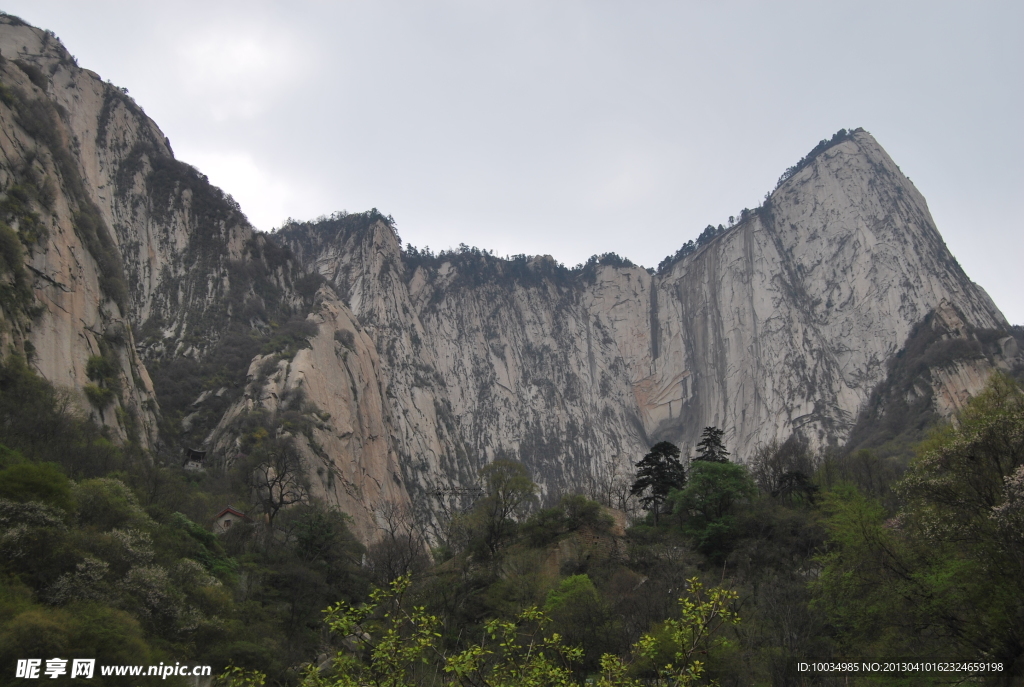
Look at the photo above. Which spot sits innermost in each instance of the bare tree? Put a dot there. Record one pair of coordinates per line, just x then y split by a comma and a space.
612, 487
277, 478
402, 547
783, 469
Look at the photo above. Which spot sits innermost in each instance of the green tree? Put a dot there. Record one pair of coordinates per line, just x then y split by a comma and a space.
42, 482
509, 494
946, 575
711, 448
658, 473
573, 512
397, 644
582, 618
707, 502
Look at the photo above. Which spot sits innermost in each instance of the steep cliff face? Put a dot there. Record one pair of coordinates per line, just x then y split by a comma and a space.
786, 322
122, 240
72, 321
943, 363
409, 371
780, 325
347, 452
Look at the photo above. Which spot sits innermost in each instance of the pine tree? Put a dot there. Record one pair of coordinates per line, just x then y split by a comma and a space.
658, 473
711, 447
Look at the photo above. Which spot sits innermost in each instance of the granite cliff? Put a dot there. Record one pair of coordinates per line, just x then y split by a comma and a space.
781, 324
130, 279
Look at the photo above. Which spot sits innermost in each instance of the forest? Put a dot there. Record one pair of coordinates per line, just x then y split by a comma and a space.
730, 570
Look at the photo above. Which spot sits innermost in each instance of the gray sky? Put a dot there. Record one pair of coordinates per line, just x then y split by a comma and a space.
573, 128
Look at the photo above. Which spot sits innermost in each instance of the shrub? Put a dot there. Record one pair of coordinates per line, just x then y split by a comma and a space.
44, 482
100, 397
346, 338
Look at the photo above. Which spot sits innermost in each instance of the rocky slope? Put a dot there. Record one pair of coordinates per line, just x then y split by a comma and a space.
123, 266
942, 364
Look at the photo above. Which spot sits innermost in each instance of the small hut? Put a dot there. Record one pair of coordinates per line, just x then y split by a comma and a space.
226, 518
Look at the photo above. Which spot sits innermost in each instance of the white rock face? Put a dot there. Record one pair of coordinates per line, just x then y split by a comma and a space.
74, 319
783, 324
954, 384
347, 451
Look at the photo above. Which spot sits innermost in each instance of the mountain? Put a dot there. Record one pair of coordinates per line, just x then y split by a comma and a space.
397, 373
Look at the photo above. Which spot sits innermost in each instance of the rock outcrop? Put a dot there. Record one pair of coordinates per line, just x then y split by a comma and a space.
943, 363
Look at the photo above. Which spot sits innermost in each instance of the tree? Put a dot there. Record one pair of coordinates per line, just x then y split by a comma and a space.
707, 501
277, 478
509, 494
402, 546
946, 575
782, 470
396, 643
658, 473
711, 448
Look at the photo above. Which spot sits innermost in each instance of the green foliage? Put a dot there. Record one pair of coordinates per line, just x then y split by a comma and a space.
493, 522
394, 643
943, 576
96, 236
167, 183
42, 482
99, 396
580, 616
346, 338
84, 629
696, 634
707, 503
121, 564
105, 504
43, 425
17, 207
18, 292
41, 120
573, 512
823, 145
101, 368
240, 677
34, 73
289, 338
569, 592
180, 381
783, 471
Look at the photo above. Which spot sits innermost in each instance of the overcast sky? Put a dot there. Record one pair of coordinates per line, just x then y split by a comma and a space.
573, 128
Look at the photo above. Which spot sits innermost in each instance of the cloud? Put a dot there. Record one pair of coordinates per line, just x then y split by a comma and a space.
266, 199
238, 72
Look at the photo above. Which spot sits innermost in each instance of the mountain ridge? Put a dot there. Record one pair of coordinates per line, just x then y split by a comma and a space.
398, 374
